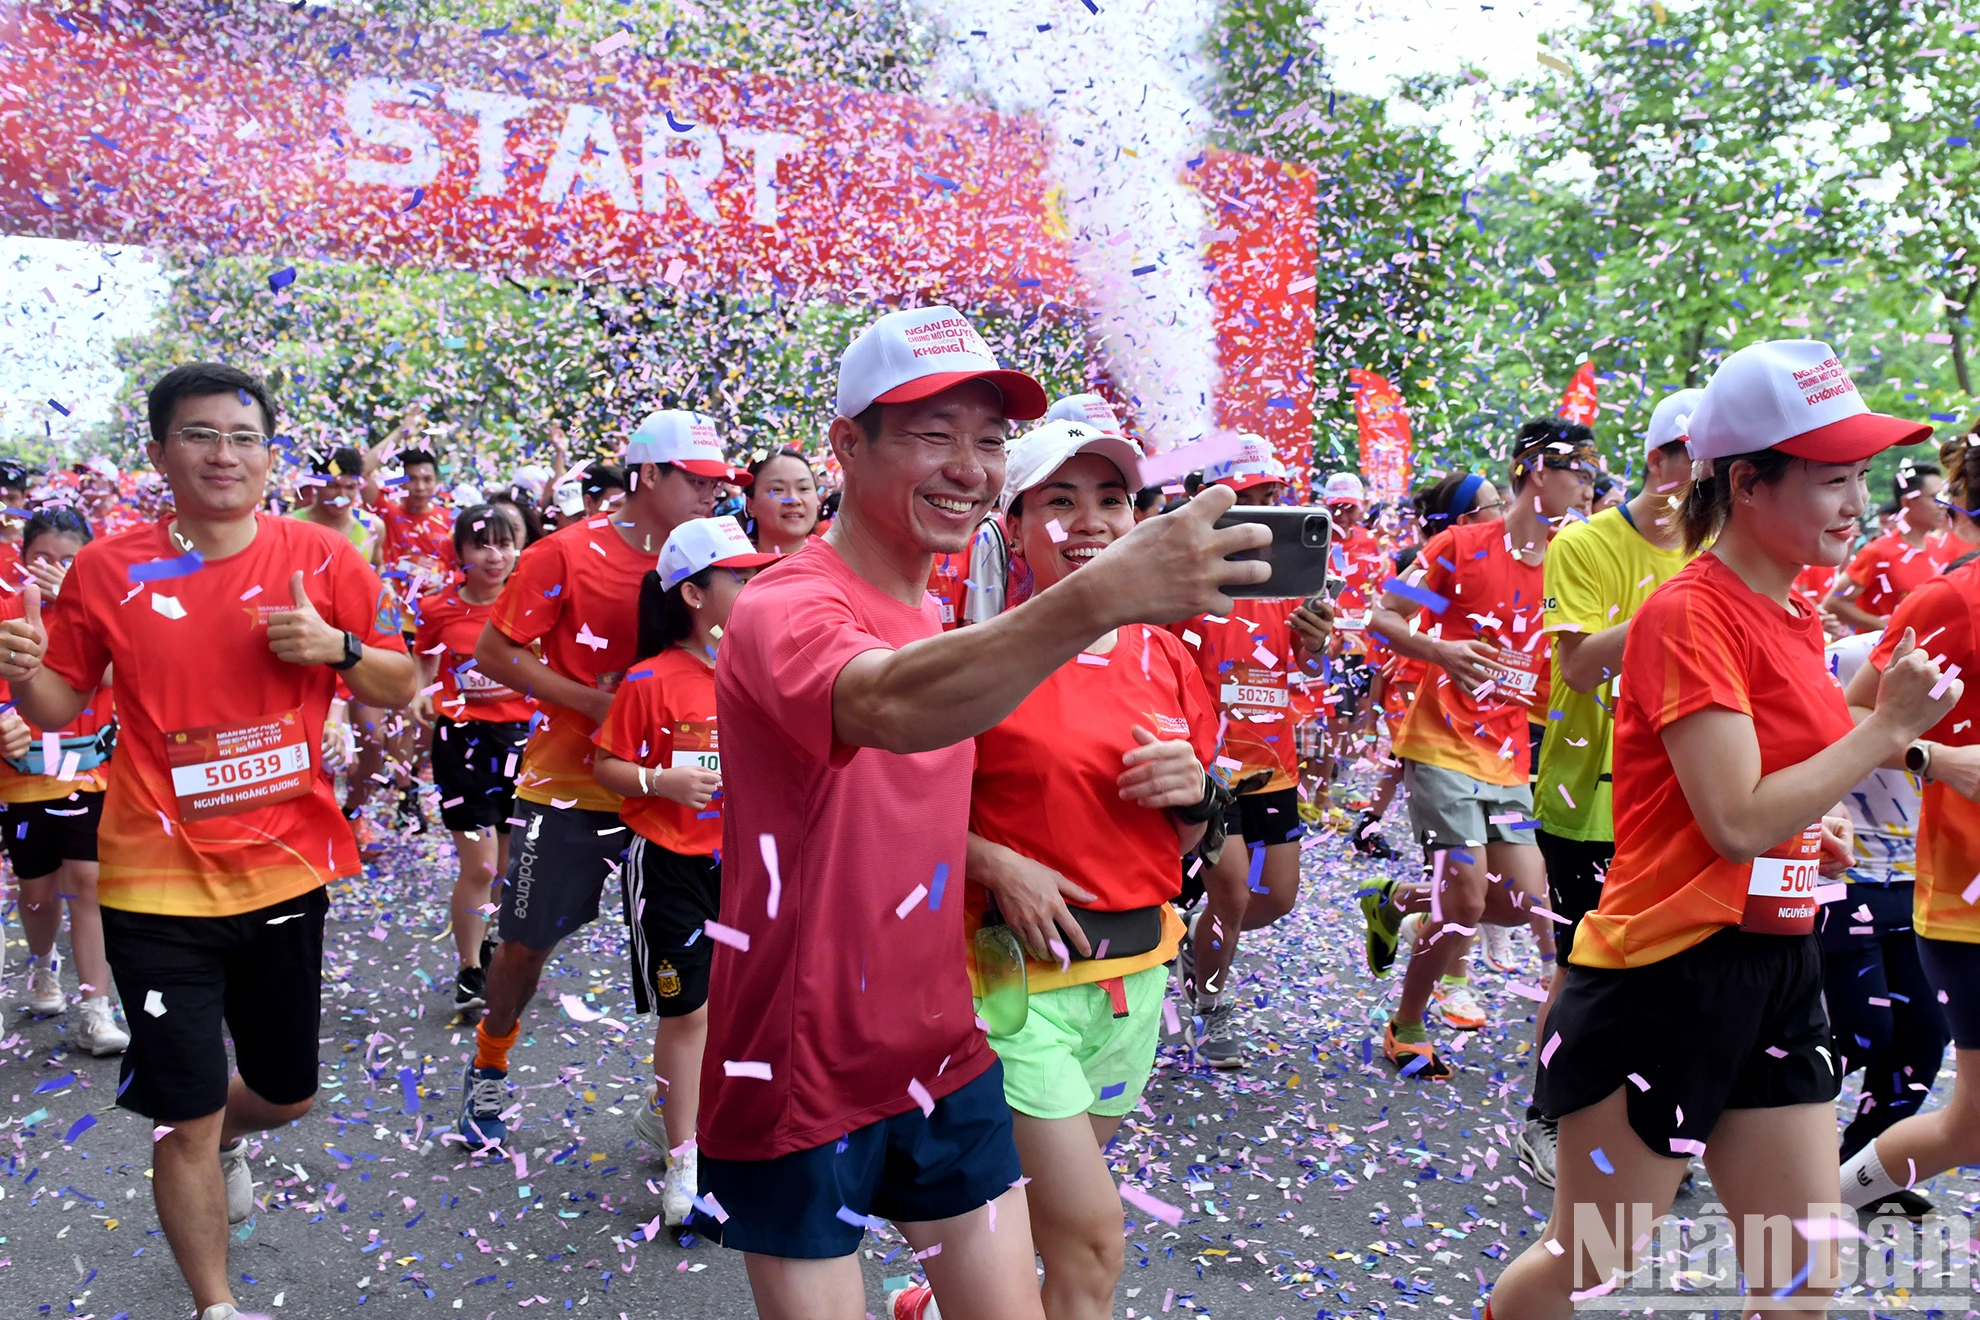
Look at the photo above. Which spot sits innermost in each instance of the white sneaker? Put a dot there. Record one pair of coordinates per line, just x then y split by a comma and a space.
220, 1311
1459, 1006
240, 1184
677, 1189
45, 996
1495, 943
1412, 926
650, 1125
98, 1031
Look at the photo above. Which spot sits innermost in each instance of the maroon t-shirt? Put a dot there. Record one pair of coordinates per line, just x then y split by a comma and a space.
850, 995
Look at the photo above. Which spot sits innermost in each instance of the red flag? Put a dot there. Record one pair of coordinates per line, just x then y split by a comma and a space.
1384, 427
1578, 399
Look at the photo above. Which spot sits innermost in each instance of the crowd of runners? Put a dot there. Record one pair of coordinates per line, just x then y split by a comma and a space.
932, 769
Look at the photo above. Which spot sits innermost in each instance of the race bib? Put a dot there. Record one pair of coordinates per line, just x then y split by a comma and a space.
225, 769
480, 688
696, 746
1522, 674
1258, 689
1780, 893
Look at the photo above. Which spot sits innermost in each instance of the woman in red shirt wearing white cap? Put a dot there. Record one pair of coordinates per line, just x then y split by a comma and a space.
1083, 801
1691, 1017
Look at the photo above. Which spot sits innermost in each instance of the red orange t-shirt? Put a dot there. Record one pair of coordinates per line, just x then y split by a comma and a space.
1814, 583
210, 722
856, 986
1944, 615
97, 711
1247, 661
1703, 639
576, 592
1498, 599
1358, 557
1887, 570
946, 584
447, 629
418, 545
663, 717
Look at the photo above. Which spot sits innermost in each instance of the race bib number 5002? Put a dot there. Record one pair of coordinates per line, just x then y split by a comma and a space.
225, 769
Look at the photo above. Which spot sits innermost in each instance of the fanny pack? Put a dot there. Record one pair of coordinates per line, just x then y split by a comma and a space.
1121, 934
90, 749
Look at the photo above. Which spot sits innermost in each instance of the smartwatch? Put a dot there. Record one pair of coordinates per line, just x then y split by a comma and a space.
1918, 758
353, 652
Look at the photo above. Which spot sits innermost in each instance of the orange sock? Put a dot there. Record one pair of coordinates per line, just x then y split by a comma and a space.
491, 1051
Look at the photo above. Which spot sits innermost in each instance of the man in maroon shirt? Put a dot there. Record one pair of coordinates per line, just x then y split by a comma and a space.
845, 1079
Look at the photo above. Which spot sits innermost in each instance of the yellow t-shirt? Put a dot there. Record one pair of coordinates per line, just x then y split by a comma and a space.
1599, 573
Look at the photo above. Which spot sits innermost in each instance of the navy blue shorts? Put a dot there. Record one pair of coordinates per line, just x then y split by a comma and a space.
814, 1204
1953, 968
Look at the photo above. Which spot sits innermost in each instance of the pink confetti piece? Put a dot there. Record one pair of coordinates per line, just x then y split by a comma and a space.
933, 1250
1687, 1146
1170, 1021
522, 1165
1547, 1055
1945, 681
578, 1009
714, 1208
768, 844
618, 41
729, 935
746, 1068
1533, 992
1831, 1228
1151, 1206
1638, 1082
914, 897
919, 1094
1971, 894
1554, 1247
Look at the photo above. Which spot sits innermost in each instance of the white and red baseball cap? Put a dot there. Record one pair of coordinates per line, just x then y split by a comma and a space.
702, 543
910, 355
1254, 465
1045, 449
1088, 410
1794, 395
1345, 488
688, 441
1671, 419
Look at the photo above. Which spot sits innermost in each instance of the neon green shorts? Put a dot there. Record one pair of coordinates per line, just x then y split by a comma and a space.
1073, 1056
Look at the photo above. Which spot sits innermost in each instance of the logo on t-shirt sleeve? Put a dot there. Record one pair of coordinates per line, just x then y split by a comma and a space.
390, 618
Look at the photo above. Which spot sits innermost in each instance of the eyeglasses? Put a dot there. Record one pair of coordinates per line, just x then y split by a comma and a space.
1484, 508
205, 437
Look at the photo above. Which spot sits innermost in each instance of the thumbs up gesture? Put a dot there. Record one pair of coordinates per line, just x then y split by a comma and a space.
300, 636
23, 640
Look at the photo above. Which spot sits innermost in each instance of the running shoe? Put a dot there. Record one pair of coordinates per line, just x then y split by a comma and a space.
1186, 960
221, 1311
240, 1181
1458, 1005
1904, 1203
915, 1303
369, 849
1368, 839
650, 1125
45, 996
1383, 923
1495, 945
677, 1189
412, 812
470, 988
1218, 1043
1309, 813
484, 1092
1405, 1055
98, 1032
1538, 1140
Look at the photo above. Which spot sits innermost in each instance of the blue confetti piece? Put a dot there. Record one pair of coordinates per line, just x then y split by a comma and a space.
58, 407
55, 1083
1257, 868
409, 1087
80, 1126
419, 195
1601, 1160
935, 888
1429, 600
281, 279
158, 570
847, 1215
1109, 1092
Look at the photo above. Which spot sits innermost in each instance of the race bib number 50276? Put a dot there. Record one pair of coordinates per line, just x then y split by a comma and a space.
225, 769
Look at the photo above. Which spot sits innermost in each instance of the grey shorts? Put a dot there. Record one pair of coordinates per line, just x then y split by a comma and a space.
560, 859
1450, 809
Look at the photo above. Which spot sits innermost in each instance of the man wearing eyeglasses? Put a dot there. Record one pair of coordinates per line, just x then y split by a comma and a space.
228, 628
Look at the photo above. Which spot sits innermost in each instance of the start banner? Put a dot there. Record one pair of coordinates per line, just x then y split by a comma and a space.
305, 132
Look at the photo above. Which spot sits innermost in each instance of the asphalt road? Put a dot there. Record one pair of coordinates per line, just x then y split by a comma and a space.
1313, 1182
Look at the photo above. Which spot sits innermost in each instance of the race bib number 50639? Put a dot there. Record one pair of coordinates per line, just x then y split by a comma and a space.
225, 769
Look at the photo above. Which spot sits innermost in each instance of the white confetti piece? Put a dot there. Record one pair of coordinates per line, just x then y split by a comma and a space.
579, 1011
154, 1003
168, 606
746, 1068
915, 896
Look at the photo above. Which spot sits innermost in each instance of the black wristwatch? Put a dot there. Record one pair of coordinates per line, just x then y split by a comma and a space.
353, 652
1918, 759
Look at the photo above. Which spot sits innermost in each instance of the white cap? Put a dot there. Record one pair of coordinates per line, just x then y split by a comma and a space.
466, 495
1033, 459
1255, 465
1794, 395
702, 543
1345, 488
1671, 419
1088, 410
685, 439
910, 355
